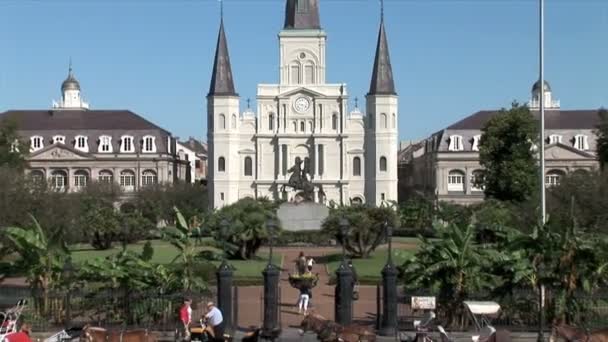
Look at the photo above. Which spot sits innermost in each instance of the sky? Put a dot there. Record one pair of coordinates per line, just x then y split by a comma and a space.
450, 58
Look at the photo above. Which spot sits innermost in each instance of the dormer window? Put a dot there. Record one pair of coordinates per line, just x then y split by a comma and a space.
126, 144
555, 138
59, 139
15, 146
149, 144
475, 146
581, 142
81, 143
36, 143
105, 144
456, 143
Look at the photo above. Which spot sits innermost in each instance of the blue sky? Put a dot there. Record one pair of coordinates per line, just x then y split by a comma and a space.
450, 57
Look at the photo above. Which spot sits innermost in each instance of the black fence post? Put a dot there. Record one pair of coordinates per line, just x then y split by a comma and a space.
68, 310
235, 312
344, 295
271, 326
378, 306
389, 300
224, 293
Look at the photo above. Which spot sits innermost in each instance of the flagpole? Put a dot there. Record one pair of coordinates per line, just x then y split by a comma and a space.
542, 114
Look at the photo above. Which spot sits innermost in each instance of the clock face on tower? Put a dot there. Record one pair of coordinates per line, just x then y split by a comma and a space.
301, 104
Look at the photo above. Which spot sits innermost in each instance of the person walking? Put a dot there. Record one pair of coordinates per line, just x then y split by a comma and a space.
304, 298
301, 263
185, 317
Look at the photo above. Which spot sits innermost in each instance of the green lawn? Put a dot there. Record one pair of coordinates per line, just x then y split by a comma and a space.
164, 253
369, 269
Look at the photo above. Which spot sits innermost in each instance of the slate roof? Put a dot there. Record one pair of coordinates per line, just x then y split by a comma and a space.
222, 83
304, 17
382, 82
554, 119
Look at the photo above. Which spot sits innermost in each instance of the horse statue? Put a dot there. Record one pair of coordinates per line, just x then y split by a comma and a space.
299, 179
97, 334
329, 331
574, 334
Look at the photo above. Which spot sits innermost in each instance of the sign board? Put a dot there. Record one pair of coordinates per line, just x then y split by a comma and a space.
423, 303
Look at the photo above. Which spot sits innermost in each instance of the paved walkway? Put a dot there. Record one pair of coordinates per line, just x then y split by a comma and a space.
251, 301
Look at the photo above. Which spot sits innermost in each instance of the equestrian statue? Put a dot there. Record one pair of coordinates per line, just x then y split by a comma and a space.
299, 179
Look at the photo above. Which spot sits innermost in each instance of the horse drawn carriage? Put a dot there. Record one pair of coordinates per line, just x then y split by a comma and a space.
9, 320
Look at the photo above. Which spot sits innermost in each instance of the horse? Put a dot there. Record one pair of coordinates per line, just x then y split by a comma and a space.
328, 331
574, 334
97, 334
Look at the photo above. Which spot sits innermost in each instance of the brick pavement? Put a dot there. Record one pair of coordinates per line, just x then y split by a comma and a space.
250, 298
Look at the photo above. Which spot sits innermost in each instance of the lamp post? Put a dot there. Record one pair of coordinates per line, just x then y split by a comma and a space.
270, 327
344, 287
224, 279
67, 273
541, 301
389, 289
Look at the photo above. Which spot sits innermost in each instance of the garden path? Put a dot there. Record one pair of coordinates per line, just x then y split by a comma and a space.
250, 298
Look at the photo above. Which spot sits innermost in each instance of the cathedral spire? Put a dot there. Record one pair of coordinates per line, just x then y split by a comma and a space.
382, 75
221, 78
302, 14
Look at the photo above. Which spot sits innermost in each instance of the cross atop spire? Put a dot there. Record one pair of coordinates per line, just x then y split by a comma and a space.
70, 67
248, 103
302, 14
356, 102
221, 10
382, 75
222, 83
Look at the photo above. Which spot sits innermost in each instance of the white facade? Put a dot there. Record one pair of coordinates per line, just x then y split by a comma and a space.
352, 156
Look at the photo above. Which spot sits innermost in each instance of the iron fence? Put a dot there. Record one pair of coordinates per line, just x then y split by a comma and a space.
107, 308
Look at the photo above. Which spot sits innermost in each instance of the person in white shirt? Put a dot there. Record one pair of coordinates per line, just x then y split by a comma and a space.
215, 319
309, 263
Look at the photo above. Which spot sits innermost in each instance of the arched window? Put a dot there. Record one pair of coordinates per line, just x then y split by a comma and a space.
383, 120
476, 176
248, 166
149, 177
383, 164
553, 178
59, 180
81, 178
334, 121
356, 201
309, 73
221, 164
37, 176
271, 121
222, 121
394, 124
456, 181
233, 124
302, 126
127, 180
106, 176
357, 166
295, 73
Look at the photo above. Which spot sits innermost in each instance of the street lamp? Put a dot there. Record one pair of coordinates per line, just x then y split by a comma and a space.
541, 300
67, 273
344, 228
271, 227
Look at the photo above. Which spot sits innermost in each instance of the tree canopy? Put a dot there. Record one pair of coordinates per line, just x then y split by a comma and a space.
12, 150
602, 138
507, 154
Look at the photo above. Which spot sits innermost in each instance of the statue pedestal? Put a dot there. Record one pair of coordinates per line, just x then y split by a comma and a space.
302, 216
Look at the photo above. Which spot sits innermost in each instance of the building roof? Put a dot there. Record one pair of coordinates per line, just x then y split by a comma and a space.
47, 120
302, 14
222, 83
382, 75
195, 145
554, 119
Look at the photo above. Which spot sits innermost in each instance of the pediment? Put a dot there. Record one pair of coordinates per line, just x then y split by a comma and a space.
59, 152
303, 91
561, 151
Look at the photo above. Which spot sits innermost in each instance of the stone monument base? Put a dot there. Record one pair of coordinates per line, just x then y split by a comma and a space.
302, 216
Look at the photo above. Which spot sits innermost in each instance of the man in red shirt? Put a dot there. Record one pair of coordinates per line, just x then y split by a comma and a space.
22, 336
185, 316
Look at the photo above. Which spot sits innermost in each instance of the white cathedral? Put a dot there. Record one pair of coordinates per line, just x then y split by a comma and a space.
351, 156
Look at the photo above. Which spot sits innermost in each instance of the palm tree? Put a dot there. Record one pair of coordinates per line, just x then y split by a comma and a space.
40, 257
